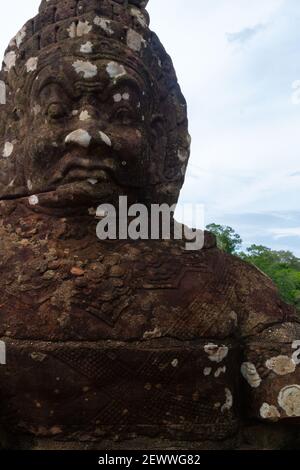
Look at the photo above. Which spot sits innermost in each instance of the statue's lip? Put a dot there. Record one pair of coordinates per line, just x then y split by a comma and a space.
82, 168
80, 174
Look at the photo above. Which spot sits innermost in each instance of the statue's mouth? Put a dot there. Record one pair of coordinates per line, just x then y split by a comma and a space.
72, 169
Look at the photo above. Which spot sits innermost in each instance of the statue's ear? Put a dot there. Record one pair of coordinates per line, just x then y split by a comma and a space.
159, 143
157, 128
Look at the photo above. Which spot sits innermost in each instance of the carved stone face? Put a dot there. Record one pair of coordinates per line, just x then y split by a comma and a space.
91, 127
93, 115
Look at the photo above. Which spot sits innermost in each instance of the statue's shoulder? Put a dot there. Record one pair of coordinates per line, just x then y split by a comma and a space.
220, 291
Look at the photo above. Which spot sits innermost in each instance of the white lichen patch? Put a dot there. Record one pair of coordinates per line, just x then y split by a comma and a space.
216, 353
219, 371
33, 200
92, 211
183, 155
8, 149
281, 365
296, 354
289, 400
156, 333
75, 112
88, 69
269, 412
135, 41
87, 47
20, 36
118, 97
104, 137
84, 116
9, 60
2, 92
104, 23
207, 371
79, 30
136, 13
31, 64
92, 181
234, 317
174, 363
72, 30
250, 374
29, 185
80, 137
228, 402
83, 27
115, 70
36, 109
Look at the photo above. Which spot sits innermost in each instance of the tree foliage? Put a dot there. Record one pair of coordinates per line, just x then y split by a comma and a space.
227, 239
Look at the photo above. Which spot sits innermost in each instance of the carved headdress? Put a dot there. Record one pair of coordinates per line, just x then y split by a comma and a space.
117, 30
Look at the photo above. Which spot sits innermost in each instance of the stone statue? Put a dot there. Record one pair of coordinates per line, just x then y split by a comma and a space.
119, 340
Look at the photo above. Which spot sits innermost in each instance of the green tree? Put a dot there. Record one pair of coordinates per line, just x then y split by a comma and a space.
283, 267
227, 239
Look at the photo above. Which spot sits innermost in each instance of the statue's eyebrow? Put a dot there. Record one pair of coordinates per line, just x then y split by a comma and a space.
125, 81
137, 87
112, 87
52, 81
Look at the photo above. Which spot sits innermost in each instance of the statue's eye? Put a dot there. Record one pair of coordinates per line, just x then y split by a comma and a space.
56, 111
124, 115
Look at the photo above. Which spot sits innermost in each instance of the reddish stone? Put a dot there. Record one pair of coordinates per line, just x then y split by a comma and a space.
114, 340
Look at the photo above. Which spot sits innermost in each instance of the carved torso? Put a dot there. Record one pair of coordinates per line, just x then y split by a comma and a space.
138, 337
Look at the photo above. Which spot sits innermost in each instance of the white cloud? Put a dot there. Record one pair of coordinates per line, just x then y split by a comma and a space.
245, 34
296, 92
245, 131
285, 232
14, 15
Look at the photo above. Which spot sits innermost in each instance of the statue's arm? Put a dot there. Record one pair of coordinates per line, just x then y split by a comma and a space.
271, 372
270, 330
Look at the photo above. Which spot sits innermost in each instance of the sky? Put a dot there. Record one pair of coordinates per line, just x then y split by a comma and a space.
239, 68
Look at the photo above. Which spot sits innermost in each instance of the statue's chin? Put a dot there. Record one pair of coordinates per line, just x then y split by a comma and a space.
77, 196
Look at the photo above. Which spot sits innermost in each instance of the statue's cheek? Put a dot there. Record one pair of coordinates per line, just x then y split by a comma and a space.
130, 142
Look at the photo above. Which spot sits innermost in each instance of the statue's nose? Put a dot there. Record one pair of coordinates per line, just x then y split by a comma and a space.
85, 138
90, 128
80, 137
